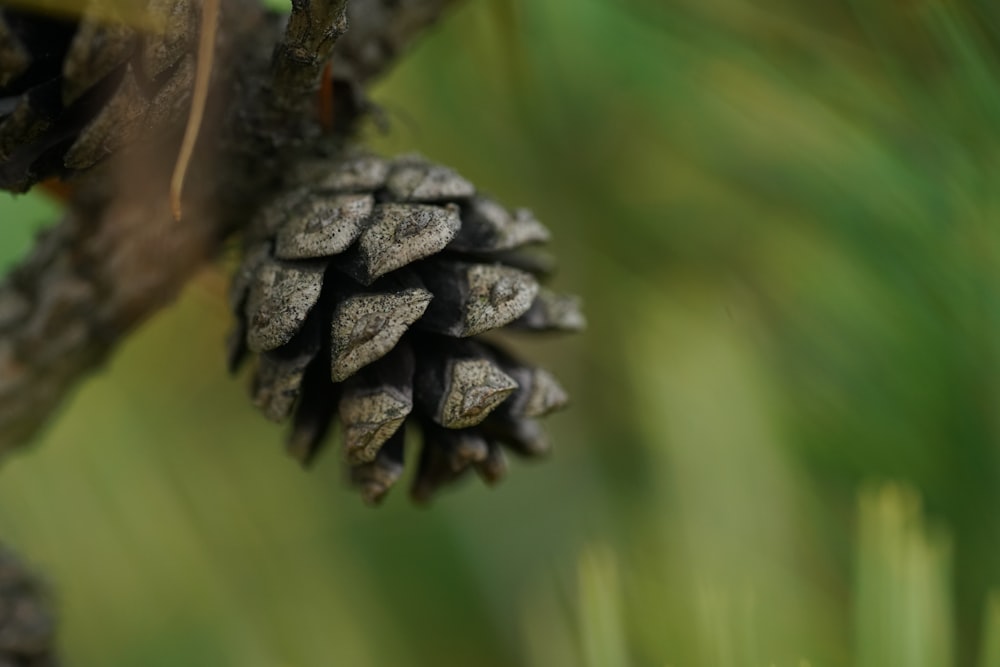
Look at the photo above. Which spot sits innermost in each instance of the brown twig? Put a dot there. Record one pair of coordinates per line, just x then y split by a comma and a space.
312, 31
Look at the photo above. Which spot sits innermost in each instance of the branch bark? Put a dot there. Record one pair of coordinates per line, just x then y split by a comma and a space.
118, 256
313, 28
27, 625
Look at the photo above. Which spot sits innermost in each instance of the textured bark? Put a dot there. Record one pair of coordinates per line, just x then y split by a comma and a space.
118, 256
313, 28
114, 260
27, 625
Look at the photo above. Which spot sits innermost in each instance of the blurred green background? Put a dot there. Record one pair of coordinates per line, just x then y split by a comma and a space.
783, 219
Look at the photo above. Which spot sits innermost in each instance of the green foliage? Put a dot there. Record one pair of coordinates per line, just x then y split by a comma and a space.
22, 217
901, 601
783, 219
903, 586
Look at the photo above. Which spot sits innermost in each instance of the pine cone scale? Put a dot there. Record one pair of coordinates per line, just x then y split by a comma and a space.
278, 302
357, 174
552, 312
366, 326
314, 413
471, 299
399, 234
538, 393
278, 382
493, 468
415, 180
459, 393
376, 478
487, 227
324, 226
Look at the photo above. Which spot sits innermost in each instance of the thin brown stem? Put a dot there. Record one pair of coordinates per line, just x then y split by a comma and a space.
203, 75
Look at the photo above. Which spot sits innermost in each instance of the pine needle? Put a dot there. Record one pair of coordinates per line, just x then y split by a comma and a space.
203, 74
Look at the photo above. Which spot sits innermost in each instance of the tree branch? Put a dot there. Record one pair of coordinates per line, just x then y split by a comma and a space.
113, 260
118, 256
313, 28
27, 626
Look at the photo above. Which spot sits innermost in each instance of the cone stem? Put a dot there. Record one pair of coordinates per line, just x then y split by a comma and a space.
312, 30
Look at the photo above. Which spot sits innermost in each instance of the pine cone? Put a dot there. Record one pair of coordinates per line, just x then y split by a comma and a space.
27, 627
74, 90
363, 292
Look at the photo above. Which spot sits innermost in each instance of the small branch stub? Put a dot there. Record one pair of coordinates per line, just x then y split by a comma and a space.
312, 30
